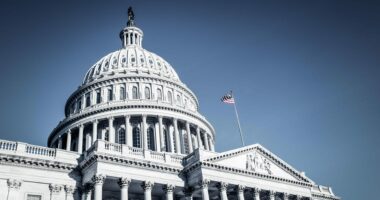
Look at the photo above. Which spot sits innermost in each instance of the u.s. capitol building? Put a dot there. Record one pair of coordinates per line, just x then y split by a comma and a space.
133, 130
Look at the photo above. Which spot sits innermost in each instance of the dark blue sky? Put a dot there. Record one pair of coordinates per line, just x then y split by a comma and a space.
305, 74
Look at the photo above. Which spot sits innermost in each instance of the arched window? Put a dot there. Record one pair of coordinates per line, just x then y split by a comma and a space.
150, 138
122, 93
121, 134
147, 93
170, 98
159, 94
178, 99
134, 92
136, 137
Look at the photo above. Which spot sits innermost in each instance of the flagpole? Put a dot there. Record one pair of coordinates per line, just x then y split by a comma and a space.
238, 121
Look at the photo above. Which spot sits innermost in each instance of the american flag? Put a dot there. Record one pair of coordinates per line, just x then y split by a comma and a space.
228, 98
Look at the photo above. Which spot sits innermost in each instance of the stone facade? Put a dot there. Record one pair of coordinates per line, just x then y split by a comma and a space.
133, 131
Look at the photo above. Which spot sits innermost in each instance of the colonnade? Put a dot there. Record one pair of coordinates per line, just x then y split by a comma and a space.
202, 191
157, 133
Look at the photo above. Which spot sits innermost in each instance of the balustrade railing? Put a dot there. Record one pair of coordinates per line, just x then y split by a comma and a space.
113, 147
157, 155
38, 150
8, 145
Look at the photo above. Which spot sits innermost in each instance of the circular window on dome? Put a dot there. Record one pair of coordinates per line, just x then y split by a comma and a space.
151, 62
142, 60
123, 60
133, 59
159, 64
114, 61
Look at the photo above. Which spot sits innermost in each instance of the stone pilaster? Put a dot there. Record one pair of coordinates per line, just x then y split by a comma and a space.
176, 135
144, 132
189, 141
69, 190
199, 138
14, 186
111, 130
55, 191
94, 131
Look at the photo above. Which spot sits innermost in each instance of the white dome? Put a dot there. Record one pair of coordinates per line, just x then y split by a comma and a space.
131, 60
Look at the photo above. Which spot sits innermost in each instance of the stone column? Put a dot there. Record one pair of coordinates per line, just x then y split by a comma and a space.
298, 197
124, 185
94, 131
286, 196
168, 189
199, 138
147, 187
271, 194
188, 191
222, 186
189, 141
55, 190
69, 189
204, 185
60, 142
14, 189
127, 132
88, 141
240, 189
98, 181
256, 194
171, 138
111, 130
205, 137
68, 140
161, 131
176, 135
80, 139
145, 133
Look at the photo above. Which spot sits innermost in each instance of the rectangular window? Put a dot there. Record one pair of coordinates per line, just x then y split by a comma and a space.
98, 96
122, 93
88, 100
79, 105
33, 197
110, 94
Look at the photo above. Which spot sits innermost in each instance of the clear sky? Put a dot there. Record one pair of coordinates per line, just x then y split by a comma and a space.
305, 74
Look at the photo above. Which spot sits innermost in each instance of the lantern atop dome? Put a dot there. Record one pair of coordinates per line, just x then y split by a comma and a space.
131, 35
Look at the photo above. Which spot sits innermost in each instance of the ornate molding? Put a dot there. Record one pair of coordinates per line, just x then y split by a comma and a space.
222, 186
14, 184
98, 179
124, 182
240, 188
168, 188
147, 185
258, 163
69, 189
55, 188
204, 183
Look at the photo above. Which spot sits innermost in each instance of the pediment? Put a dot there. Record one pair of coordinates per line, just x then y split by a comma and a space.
257, 159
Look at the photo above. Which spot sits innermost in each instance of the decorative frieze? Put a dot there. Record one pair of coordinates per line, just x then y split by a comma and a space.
98, 179
258, 163
14, 184
55, 188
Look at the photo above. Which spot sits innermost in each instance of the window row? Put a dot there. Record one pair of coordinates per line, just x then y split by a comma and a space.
111, 93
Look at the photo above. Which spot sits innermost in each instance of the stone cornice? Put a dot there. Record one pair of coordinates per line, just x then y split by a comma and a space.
324, 196
130, 162
266, 153
21, 161
243, 172
117, 107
